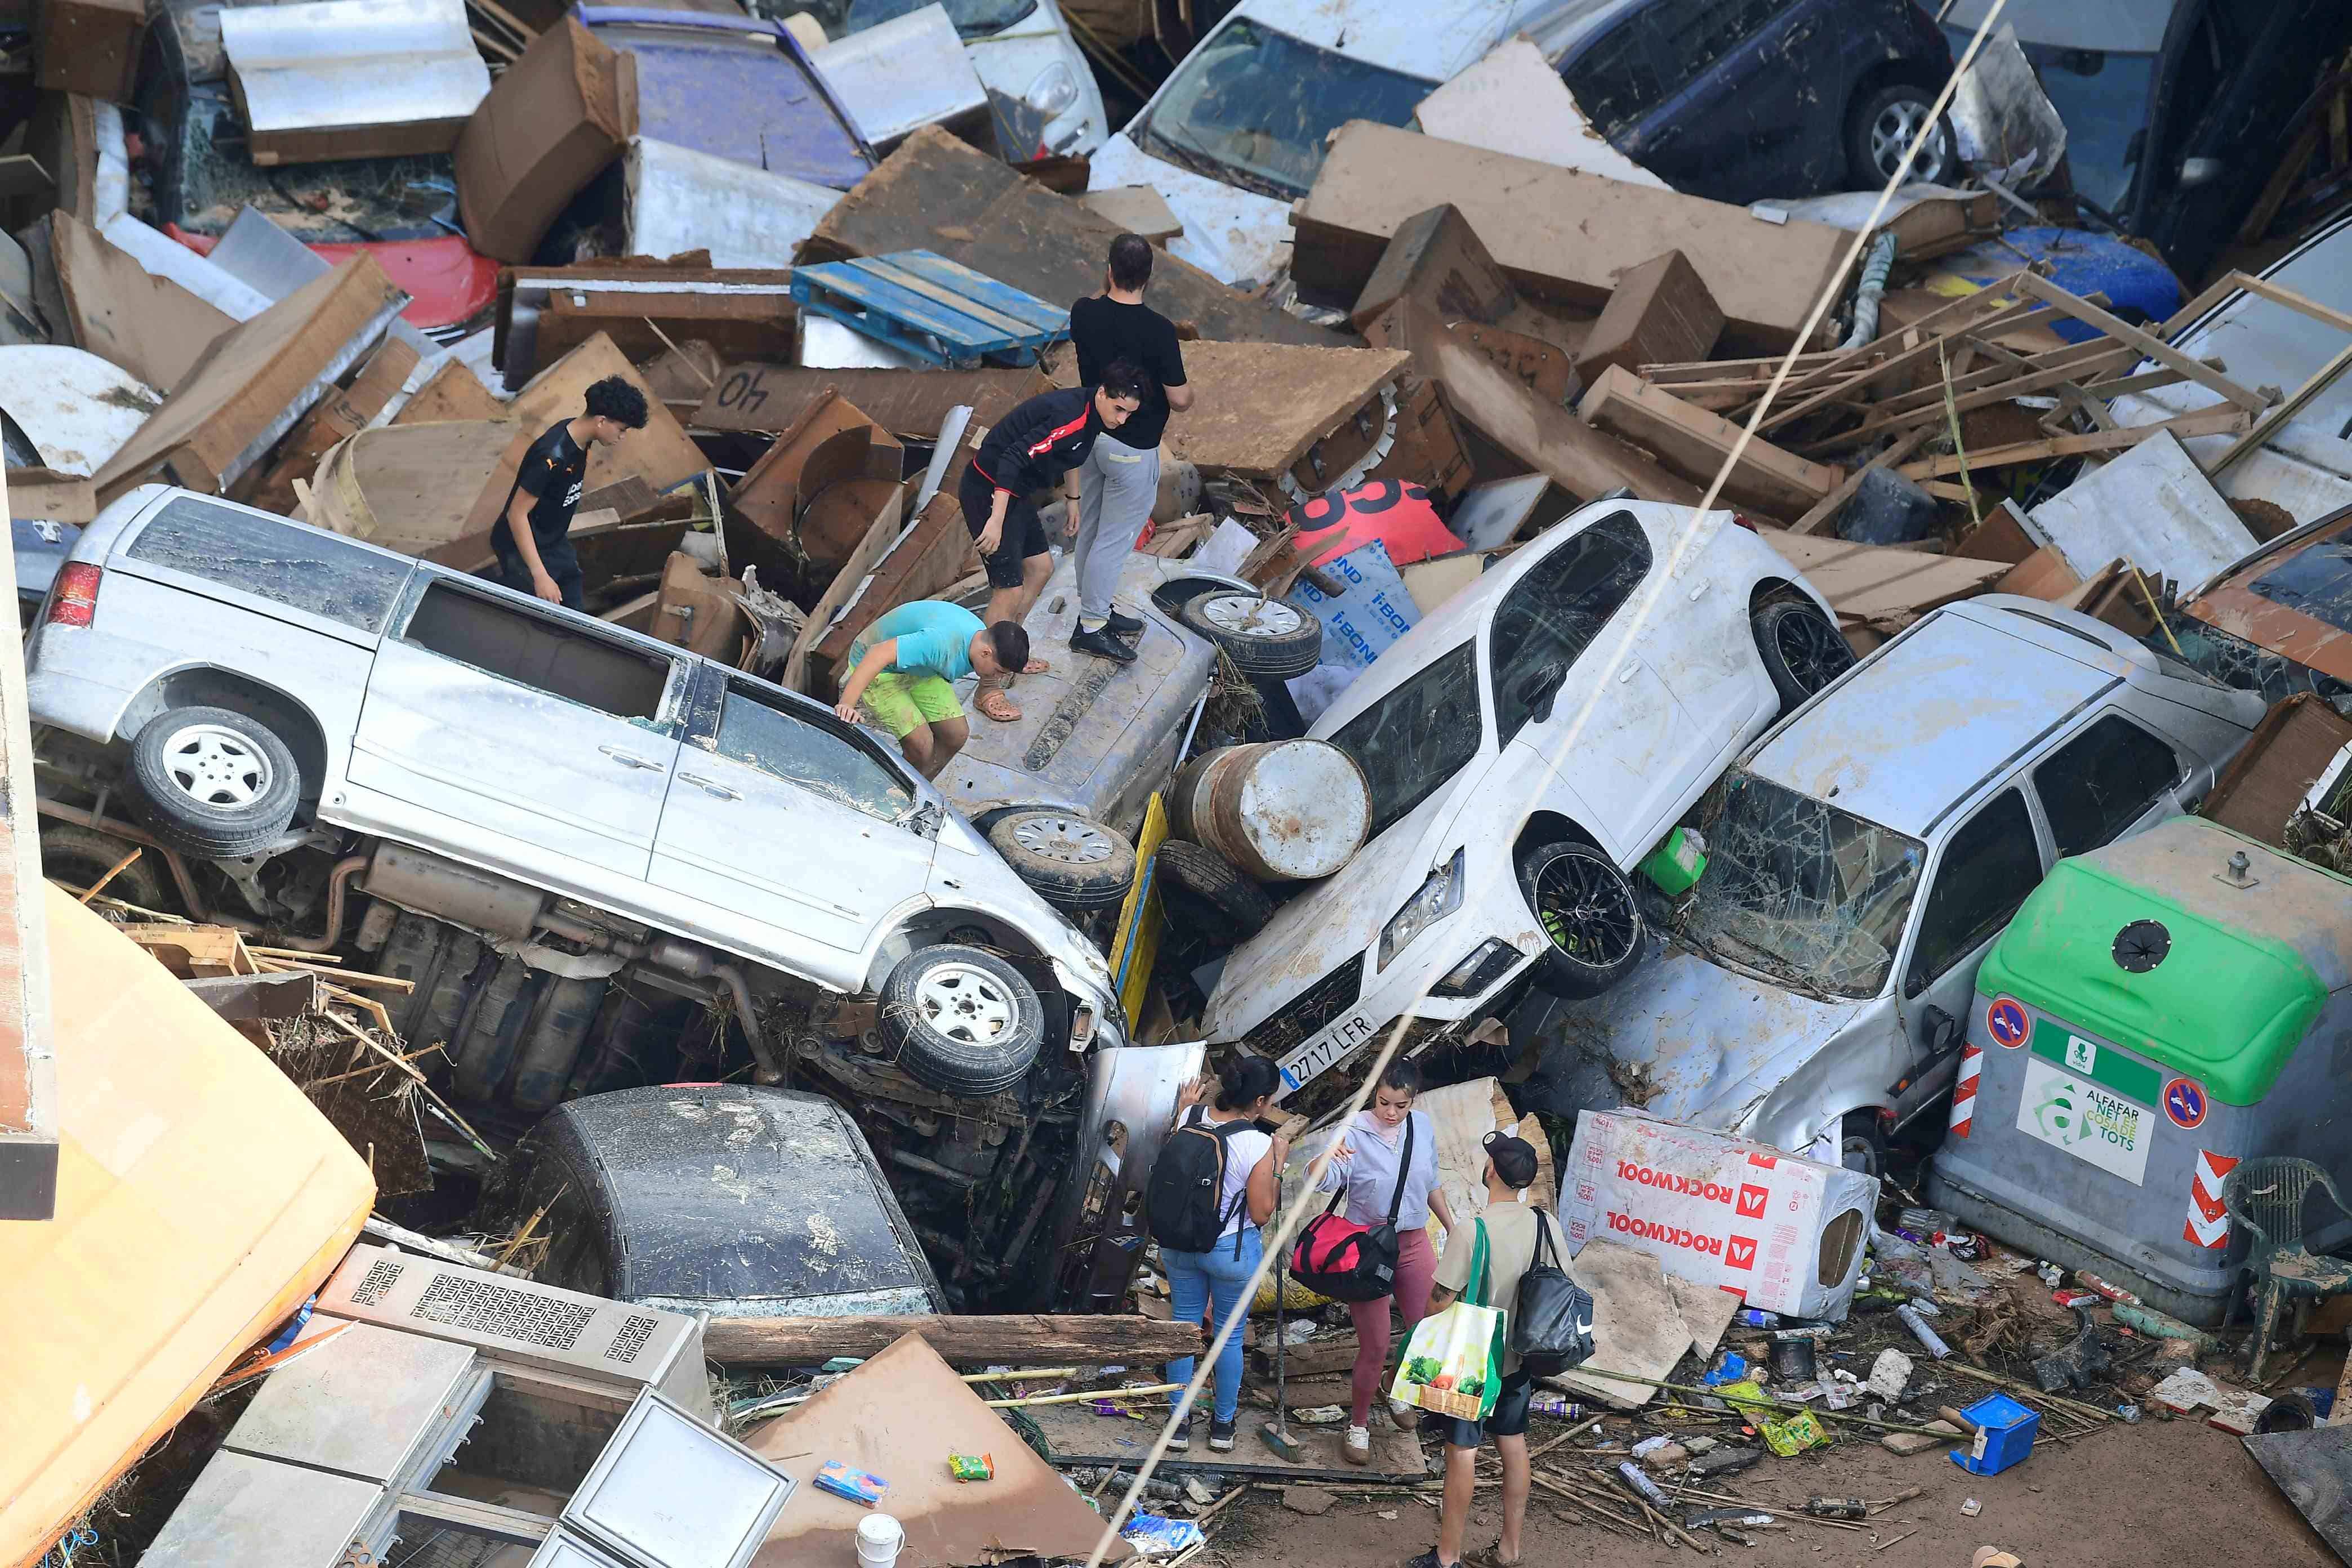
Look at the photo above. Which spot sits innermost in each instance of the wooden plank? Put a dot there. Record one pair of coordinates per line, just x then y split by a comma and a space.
1031, 1340
1829, 505
1982, 389
898, 283
2153, 348
2263, 288
2214, 421
1879, 583
1659, 311
2324, 377
1919, 354
978, 289
1694, 443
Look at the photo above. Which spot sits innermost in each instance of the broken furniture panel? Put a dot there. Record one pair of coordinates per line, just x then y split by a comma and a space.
1881, 587
937, 194
343, 411
556, 119
934, 552
1137, 210
681, 199
1437, 262
89, 47
73, 409
450, 392
352, 78
2153, 507
545, 312
899, 76
799, 512
45, 495
411, 487
1561, 236
2266, 784
698, 612
1694, 443
909, 405
1309, 418
1660, 312
149, 326
256, 380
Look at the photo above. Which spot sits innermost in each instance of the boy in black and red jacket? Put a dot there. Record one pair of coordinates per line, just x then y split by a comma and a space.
1029, 450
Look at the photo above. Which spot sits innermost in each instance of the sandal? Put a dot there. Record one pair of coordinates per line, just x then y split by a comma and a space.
994, 704
1491, 1557
1036, 666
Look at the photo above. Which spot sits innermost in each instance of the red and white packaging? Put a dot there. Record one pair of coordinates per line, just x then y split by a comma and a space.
1780, 1232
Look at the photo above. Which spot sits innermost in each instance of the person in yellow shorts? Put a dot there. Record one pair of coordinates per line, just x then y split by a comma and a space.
904, 668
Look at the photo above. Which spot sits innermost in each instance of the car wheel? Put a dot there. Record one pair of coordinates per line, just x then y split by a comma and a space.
1262, 636
962, 1021
1240, 905
1861, 1145
78, 857
1072, 862
1881, 128
1802, 649
1587, 911
213, 783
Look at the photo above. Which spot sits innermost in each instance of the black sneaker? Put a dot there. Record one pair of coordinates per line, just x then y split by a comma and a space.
1102, 645
1182, 1441
1221, 1437
1125, 625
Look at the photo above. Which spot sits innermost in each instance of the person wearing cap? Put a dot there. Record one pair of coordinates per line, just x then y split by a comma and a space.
1512, 1226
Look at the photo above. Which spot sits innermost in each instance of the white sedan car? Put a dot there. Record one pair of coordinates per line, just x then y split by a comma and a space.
1528, 745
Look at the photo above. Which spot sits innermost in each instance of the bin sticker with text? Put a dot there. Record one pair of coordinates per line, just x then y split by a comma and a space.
2071, 1112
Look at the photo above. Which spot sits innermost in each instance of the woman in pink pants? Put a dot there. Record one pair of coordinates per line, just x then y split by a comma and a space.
1368, 1158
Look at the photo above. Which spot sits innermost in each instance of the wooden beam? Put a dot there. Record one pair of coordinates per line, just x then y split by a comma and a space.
2153, 348
1031, 1340
2263, 288
1827, 507
1986, 387
2294, 404
2215, 421
1920, 354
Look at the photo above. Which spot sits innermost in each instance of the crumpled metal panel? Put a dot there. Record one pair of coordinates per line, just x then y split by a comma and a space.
352, 65
909, 71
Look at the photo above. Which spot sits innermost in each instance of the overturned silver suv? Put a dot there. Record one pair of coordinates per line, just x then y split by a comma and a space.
552, 826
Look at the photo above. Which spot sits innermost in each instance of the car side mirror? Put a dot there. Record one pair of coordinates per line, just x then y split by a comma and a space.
1943, 1030
1539, 687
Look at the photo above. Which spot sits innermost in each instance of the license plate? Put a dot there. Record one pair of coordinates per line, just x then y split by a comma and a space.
1337, 1043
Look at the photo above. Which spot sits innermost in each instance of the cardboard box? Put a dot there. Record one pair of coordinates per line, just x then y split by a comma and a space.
1782, 1232
118, 310
804, 506
89, 47
555, 122
256, 381
344, 412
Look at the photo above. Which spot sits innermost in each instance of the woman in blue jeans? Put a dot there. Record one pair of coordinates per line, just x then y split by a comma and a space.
1195, 1279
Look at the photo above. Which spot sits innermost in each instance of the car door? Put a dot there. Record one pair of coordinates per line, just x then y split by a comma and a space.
1568, 682
2111, 778
517, 736
1736, 116
1615, 79
788, 831
1981, 874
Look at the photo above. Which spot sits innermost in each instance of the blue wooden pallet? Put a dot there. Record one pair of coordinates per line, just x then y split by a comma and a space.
921, 302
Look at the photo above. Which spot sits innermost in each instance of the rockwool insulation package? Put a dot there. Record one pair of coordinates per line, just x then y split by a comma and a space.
1780, 1232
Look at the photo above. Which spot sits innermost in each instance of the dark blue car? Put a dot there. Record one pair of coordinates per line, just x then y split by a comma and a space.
1739, 99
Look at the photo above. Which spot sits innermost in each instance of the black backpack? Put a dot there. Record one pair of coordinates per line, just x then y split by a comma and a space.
1552, 1328
1180, 1201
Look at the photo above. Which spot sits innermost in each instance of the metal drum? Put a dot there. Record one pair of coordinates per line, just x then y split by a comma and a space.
1282, 811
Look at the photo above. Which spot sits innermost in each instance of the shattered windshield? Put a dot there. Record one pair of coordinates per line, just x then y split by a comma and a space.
1802, 891
1252, 107
972, 18
1417, 737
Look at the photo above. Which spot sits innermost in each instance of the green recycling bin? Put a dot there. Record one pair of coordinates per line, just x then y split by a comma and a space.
2157, 1011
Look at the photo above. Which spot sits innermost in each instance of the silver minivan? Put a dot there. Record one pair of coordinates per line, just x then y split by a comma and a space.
1862, 858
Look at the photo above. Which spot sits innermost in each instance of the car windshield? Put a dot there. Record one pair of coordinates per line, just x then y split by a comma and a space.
1420, 735
1252, 107
1802, 891
2316, 580
972, 18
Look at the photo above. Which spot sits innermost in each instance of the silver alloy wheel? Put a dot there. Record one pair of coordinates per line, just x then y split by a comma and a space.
1890, 138
1071, 840
1247, 616
214, 764
964, 1002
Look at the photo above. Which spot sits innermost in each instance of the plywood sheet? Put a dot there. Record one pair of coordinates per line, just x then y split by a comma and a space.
1559, 233
910, 404
2154, 507
1882, 582
114, 307
452, 391
1258, 408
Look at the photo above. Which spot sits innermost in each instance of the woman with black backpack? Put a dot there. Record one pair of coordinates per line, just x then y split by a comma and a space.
1211, 1187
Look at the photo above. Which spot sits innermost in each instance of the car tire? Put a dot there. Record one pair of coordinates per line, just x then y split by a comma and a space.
1589, 914
1262, 636
1802, 649
1072, 861
960, 1020
212, 783
1862, 1146
1880, 127
1217, 884
78, 857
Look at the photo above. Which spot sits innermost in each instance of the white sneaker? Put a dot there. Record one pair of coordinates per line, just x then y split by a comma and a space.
1358, 1449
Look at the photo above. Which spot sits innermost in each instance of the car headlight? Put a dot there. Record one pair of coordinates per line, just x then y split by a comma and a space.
1055, 90
1437, 898
1488, 962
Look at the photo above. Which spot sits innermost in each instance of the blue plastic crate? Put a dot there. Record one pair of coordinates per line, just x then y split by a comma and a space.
2005, 1433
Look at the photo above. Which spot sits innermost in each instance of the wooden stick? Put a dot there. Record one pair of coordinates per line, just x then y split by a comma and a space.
2024, 1389
293, 954
113, 872
2302, 396
341, 976
1767, 1401
505, 18
1606, 1518
2264, 289
1088, 1393
673, 348
1564, 1436
1830, 504
1960, 447
363, 1038
2217, 420
362, 1072
2152, 347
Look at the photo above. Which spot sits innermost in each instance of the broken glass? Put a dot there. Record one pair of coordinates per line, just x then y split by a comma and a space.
1254, 108
1802, 891
1417, 737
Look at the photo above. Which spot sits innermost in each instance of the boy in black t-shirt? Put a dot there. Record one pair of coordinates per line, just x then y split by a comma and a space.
1112, 491
532, 535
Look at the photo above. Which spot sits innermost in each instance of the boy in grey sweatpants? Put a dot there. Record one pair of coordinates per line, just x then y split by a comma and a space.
1120, 477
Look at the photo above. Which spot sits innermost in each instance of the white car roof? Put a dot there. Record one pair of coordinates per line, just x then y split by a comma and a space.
1432, 39
1916, 726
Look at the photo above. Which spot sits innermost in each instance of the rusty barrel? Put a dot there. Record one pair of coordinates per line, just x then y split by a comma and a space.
1280, 810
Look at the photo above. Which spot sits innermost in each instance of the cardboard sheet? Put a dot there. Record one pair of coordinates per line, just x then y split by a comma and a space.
114, 307
1514, 101
1637, 1324
899, 1416
552, 124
